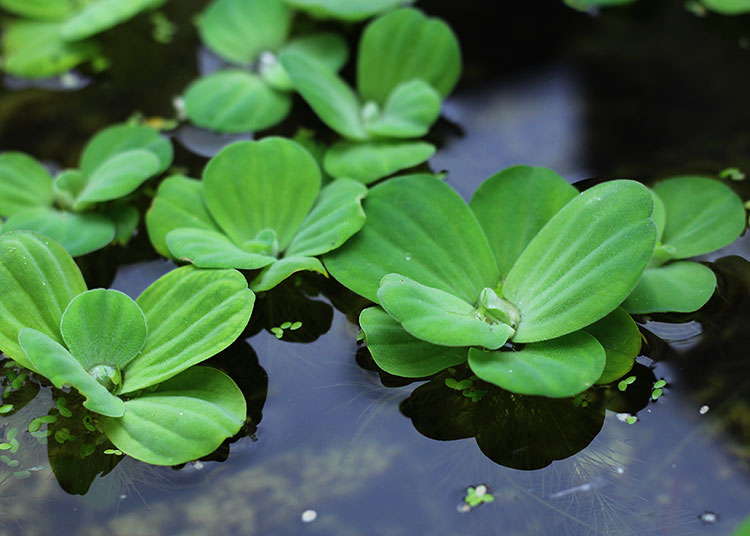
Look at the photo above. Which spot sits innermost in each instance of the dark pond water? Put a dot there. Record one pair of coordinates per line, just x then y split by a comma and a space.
642, 93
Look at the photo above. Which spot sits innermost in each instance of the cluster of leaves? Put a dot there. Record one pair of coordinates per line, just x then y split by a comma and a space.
87, 208
56, 35
133, 361
723, 7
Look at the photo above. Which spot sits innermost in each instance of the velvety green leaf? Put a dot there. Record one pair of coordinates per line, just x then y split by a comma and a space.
409, 112
327, 48
121, 138
68, 185
185, 418
191, 315
24, 183
402, 46
677, 287
118, 176
370, 161
178, 203
36, 50
659, 216
328, 95
212, 249
251, 186
235, 101
397, 352
78, 233
275, 273
557, 368
53, 361
702, 215
728, 7
103, 327
584, 262
512, 207
99, 15
39, 279
437, 317
619, 336
419, 227
336, 216
345, 9
40, 9
125, 217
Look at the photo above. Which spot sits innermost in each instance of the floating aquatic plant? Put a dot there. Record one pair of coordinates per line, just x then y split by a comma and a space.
133, 361
724, 7
345, 9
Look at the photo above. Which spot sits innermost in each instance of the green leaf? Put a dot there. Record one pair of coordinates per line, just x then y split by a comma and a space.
334, 102
327, 48
178, 203
36, 50
116, 139
409, 112
370, 161
659, 216
39, 279
239, 30
100, 15
256, 185
275, 273
557, 368
619, 336
336, 216
405, 45
125, 217
419, 227
585, 5
67, 186
345, 9
185, 418
212, 249
676, 287
78, 233
438, 317
702, 215
24, 183
103, 327
235, 101
118, 176
728, 7
513, 205
53, 361
397, 352
40, 9
191, 315
584, 262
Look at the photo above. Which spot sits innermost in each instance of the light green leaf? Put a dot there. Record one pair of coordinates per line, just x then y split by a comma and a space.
53, 361
40, 9
513, 205
345, 9
370, 161
121, 138
409, 112
659, 216
178, 203
212, 249
728, 7
24, 183
336, 216
702, 215
191, 315
78, 233
185, 418
557, 368
619, 336
275, 273
328, 95
438, 317
235, 101
125, 217
676, 287
251, 186
118, 176
39, 279
584, 262
68, 185
103, 327
397, 352
100, 15
239, 30
419, 227
327, 48
405, 45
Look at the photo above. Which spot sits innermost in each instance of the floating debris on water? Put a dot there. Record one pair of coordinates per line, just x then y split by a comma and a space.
709, 517
308, 516
597, 482
704, 409
475, 495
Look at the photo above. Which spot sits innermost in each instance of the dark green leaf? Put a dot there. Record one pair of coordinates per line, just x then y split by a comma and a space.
619, 336
345, 9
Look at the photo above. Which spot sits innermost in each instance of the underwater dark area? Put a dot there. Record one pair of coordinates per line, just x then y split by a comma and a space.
332, 444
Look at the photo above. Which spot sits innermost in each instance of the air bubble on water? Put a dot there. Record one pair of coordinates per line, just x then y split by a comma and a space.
704, 409
308, 516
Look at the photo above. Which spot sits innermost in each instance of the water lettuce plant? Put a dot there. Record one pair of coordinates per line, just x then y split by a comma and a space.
133, 361
723, 7
524, 283
259, 205
83, 209
694, 216
406, 64
345, 10
254, 93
